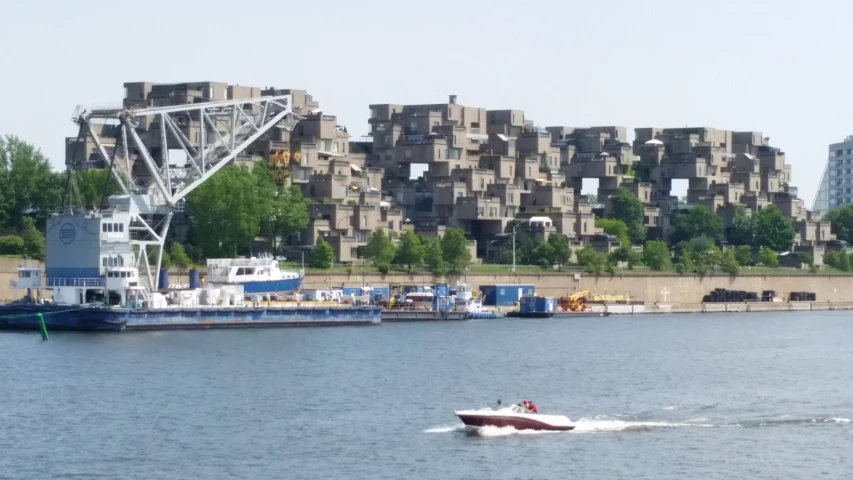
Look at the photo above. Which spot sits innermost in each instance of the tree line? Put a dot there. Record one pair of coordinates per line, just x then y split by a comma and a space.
448, 254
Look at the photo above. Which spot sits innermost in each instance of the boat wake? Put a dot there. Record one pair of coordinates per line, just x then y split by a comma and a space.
604, 423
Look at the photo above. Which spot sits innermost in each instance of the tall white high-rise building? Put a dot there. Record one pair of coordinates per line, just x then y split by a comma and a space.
836, 184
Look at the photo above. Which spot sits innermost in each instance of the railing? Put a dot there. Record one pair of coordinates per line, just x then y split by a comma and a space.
75, 282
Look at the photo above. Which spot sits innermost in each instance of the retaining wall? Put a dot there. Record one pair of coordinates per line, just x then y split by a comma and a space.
662, 289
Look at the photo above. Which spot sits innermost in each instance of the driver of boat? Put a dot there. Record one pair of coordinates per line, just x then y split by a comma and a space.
498, 405
532, 407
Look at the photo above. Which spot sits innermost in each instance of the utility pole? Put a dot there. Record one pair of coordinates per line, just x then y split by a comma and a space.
513, 247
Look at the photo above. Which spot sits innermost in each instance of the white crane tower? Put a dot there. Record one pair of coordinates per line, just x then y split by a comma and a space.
222, 130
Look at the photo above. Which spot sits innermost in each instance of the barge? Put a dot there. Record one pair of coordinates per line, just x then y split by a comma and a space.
94, 282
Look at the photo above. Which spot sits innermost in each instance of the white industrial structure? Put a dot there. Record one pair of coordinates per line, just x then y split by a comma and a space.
223, 129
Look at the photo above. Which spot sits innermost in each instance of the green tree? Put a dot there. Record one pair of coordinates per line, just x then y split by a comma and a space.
380, 250
743, 255
226, 211
742, 231
656, 255
28, 185
769, 258
728, 263
593, 260
433, 257
562, 252
628, 208
178, 256
93, 185
411, 250
286, 210
699, 254
323, 255
698, 221
615, 227
773, 229
33, 240
543, 254
11, 245
841, 221
454, 247
837, 259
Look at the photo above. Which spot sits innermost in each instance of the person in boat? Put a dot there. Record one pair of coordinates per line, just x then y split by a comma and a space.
532, 407
498, 405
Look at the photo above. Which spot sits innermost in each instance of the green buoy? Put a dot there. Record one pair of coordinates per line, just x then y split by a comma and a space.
42, 326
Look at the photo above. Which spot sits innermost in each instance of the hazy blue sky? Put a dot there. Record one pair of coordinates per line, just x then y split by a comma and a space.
773, 66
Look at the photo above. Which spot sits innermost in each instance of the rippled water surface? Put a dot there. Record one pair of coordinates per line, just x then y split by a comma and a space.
750, 396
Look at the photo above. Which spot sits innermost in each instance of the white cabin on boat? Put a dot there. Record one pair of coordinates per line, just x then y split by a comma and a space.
244, 270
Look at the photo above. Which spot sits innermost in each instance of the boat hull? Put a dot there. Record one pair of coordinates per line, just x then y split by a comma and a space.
516, 421
286, 286
24, 317
59, 317
561, 315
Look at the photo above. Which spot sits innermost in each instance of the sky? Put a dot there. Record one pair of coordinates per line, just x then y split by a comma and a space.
777, 67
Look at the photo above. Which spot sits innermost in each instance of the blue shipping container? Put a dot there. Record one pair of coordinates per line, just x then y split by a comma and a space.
506, 294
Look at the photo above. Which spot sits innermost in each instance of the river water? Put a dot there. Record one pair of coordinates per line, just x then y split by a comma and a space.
748, 396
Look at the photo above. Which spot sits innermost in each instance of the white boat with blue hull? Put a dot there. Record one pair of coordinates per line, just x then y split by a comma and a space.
260, 275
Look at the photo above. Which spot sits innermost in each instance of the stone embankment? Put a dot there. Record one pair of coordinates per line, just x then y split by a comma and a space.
681, 293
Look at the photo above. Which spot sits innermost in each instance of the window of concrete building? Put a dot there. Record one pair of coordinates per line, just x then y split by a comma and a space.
510, 171
389, 140
480, 211
584, 227
839, 153
493, 212
849, 151
511, 197
374, 113
407, 154
343, 190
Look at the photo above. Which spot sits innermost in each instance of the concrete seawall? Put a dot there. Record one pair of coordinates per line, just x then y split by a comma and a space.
651, 289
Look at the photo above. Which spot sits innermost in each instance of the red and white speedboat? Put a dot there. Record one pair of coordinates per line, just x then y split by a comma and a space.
516, 417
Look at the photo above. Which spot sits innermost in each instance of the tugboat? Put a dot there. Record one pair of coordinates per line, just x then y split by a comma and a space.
472, 305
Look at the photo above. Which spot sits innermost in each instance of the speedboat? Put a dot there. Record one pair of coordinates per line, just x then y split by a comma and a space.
516, 417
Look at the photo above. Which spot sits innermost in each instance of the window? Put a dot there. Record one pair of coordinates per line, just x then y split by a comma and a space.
503, 292
479, 211
389, 140
343, 190
511, 197
493, 212
363, 220
510, 170
407, 154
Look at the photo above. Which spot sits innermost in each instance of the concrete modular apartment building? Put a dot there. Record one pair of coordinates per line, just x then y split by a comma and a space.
486, 170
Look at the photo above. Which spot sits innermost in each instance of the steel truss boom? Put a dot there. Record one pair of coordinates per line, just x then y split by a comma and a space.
223, 130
